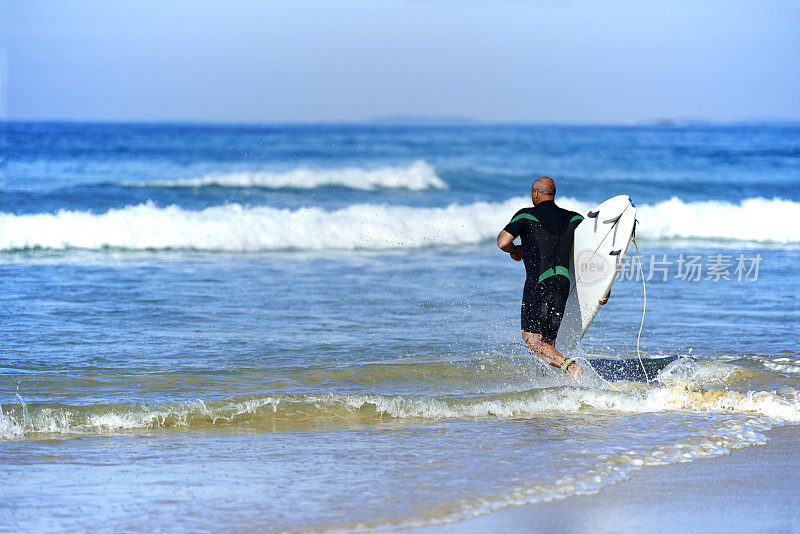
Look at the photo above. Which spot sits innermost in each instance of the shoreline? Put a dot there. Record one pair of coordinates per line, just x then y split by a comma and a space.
752, 489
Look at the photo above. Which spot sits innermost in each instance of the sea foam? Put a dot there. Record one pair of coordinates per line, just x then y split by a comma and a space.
233, 227
754, 219
417, 176
21, 420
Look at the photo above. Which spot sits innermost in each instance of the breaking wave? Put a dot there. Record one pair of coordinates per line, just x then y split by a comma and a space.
233, 227
418, 176
755, 219
275, 412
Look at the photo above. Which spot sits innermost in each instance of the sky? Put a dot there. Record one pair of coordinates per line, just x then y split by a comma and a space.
590, 61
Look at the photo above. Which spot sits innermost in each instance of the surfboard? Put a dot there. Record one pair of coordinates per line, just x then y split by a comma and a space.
628, 368
601, 242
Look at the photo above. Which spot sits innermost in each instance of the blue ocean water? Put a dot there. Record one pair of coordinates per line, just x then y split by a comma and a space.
309, 327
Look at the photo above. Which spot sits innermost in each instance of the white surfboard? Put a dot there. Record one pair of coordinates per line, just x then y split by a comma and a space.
601, 241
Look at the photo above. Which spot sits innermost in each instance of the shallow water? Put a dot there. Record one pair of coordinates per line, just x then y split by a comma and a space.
246, 328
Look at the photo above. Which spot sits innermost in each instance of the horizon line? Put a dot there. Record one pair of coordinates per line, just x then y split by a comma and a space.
412, 121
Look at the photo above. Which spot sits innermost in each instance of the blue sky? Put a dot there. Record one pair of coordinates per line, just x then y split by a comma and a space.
315, 60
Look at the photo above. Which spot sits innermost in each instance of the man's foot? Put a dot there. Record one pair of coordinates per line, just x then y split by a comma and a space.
574, 370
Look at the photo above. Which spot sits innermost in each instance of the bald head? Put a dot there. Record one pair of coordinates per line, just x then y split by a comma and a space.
543, 189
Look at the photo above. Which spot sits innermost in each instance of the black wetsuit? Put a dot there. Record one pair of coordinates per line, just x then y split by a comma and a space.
547, 233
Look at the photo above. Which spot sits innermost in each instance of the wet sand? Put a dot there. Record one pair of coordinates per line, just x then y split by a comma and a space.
754, 489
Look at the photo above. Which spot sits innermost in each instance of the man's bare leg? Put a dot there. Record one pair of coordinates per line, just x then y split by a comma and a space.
546, 349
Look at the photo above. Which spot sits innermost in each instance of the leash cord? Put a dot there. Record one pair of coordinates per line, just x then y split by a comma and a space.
644, 308
595, 372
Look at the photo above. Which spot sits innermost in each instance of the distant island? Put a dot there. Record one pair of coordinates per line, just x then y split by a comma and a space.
422, 119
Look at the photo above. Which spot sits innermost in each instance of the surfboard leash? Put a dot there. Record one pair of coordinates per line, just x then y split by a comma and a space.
617, 388
644, 308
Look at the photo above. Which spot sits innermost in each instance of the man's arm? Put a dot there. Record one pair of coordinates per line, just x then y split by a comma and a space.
505, 241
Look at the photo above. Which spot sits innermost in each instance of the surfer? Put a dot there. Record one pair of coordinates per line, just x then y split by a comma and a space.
547, 233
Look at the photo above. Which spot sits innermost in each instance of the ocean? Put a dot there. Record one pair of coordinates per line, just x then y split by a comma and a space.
309, 328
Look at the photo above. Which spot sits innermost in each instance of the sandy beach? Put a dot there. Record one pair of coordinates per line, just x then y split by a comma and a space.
753, 489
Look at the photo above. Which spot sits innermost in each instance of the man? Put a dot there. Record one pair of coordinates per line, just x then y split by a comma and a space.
547, 233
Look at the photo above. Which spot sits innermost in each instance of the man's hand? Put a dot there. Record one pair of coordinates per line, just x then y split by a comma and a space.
603, 301
506, 243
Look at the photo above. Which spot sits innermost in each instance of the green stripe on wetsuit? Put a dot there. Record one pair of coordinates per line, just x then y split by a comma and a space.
523, 216
531, 217
563, 271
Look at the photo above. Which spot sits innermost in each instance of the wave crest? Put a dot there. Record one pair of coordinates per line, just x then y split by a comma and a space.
286, 411
755, 219
232, 227
418, 176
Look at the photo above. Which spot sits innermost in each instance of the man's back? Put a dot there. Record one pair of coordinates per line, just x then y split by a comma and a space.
547, 232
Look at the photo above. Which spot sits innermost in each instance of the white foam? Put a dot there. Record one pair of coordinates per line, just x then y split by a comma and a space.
754, 219
418, 176
705, 372
233, 227
781, 406
784, 365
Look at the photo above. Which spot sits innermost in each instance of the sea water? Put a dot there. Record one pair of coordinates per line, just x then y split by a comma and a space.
309, 327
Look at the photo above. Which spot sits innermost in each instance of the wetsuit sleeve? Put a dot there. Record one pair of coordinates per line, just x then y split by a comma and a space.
515, 226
